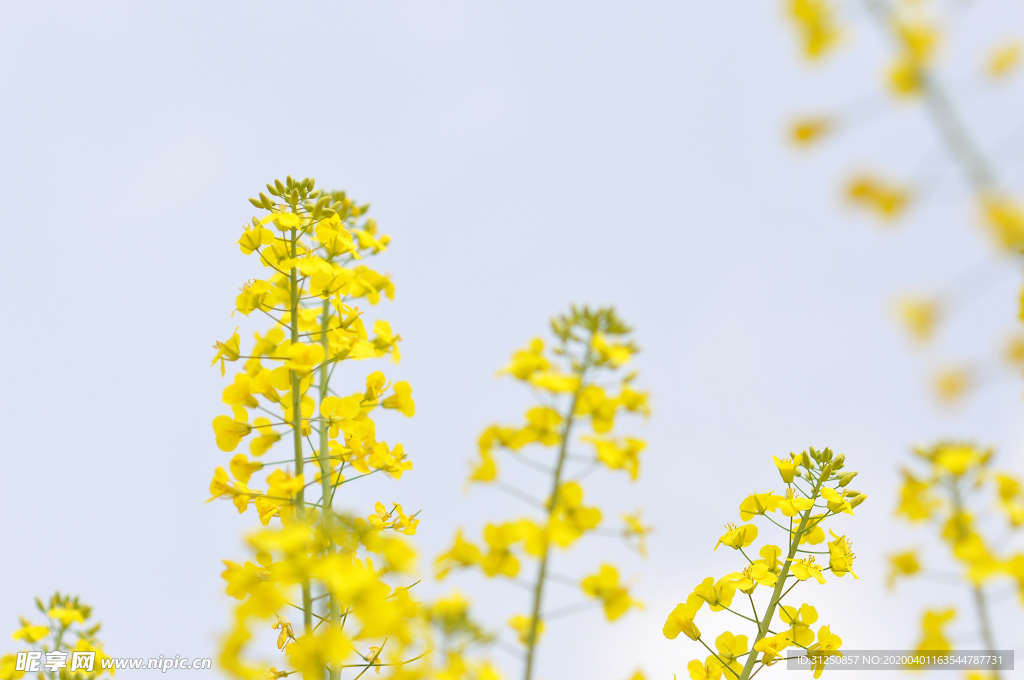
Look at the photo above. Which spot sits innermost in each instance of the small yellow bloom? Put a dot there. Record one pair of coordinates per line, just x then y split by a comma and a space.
229, 430
336, 410
711, 669
681, 619
604, 585
902, 564
933, 625
806, 569
718, 594
283, 485
30, 633
787, 468
730, 649
770, 556
737, 537
242, 469
758, 573
486, 470
526, 362
66, 615
227, 351
500, 539
771, 648
619, 455
837, 502
401, 400
827, 645
799, 622
8, 666
758, 504
521, 624
841, 556
791, 505
958, 459
286, 635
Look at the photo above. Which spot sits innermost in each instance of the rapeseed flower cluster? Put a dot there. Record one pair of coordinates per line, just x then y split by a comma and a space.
581, 384
950, 494
816, 490
66, 628
339, 577
457, 640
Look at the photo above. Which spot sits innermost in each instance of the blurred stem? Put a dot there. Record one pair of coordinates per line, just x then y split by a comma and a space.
978, 593
538, 589
326, 481
777, 594
300, 497
982, 178
945, 117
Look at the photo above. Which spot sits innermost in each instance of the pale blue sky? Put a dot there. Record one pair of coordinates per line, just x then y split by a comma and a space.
522, 156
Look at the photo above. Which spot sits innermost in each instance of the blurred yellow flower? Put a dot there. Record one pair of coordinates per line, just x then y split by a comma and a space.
919, 316
805, 132
952, 384
902, 564
1004, 59
521, 625
1005, 217
604, 585
885, 199
816, 26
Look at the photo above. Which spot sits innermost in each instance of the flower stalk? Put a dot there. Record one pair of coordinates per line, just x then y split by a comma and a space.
589, 342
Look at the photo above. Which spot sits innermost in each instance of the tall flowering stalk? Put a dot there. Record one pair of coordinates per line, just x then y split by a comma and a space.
331, 568
65, 633
958, 475
580, 384
957, 486
816, 491
913, 77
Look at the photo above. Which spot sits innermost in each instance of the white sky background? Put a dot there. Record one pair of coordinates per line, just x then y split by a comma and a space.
522, 156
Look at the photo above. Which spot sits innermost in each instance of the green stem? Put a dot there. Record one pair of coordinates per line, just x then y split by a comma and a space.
538, 590
977, 592
946, 118
300, 497
326, 490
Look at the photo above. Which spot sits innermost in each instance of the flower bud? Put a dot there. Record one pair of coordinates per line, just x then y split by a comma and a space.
847, 478
857, 500
826, 455
839, 461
